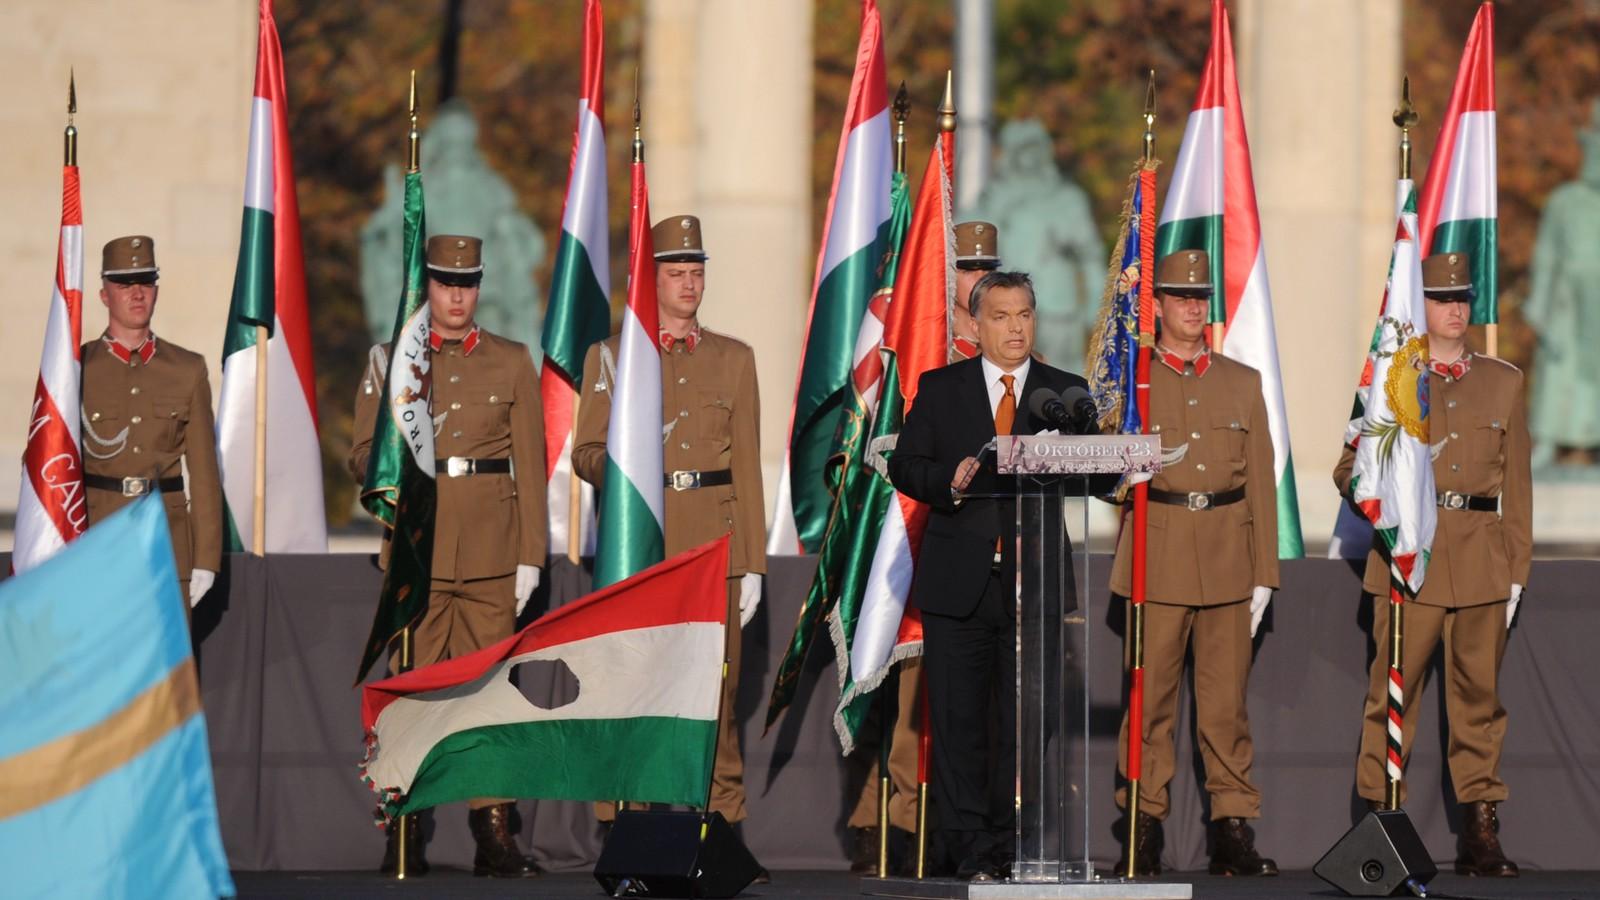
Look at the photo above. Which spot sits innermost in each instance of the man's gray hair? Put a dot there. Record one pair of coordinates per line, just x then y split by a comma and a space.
1004, 279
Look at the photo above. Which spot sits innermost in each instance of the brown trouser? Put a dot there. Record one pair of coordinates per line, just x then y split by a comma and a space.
1221, 671
1474, 643
902, 760
727, 776
463, 617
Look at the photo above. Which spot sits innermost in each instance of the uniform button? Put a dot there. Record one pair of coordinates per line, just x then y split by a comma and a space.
455, 379
1454, 436
455, 434
1194, 435
1495, 424
455, 406
94, 417
136, 420
137, 450
493, 399
1154, 428
1450, 405
1455, 467
683, 414
684, 445
1200, 467
1193, 402
134, 390
682, 380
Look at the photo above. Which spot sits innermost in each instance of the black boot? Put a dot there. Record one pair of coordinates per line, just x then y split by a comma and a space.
1234, 852
416, 863
864, 850
1480, 843
497, 855
1147, 852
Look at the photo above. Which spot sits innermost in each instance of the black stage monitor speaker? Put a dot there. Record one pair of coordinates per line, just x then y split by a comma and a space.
1380, 857
674, 854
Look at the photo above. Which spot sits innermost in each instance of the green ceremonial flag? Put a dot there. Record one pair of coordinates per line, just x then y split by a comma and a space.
399, 489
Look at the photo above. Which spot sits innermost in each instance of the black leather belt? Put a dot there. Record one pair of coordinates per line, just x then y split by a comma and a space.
460, 466
1196, 501
689, 479
1453, 500
133, 487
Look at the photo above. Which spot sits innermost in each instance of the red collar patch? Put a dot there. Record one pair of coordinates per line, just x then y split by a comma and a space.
468, 343
1177, 363
690, 340
1454, 371
145, 350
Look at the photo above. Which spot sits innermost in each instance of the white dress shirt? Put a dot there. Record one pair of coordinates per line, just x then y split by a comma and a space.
997, 388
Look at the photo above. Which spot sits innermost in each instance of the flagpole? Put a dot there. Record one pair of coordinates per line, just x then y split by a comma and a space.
407, 822
574, 493
1141, 491
69, 138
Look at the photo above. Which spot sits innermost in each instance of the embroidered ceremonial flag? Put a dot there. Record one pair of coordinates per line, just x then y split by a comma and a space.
647, 656
579, 310
854, 233
51, 508
1211, 205
269, 289
105, 772
633, 503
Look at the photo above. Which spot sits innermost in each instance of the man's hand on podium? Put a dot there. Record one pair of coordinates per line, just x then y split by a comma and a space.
963, 477
1260, 596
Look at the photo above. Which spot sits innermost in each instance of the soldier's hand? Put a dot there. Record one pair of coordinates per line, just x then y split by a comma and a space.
200, 581
964, 474
1260, 596
749, 597
1511, 605
527, 583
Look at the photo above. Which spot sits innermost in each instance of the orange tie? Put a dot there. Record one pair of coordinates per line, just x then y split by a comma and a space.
1006, 411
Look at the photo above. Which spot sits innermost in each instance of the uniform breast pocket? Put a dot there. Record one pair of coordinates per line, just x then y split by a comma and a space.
1231, 431
1488, 439
105, 431
173, 414
486, 411
716, 416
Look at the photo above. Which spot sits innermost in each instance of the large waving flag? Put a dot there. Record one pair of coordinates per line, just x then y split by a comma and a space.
1392, 480
399, 489
633, 503
1211, 205
579, 310
870, 635
105, 773
269, 291
647, 655
1459, 207
853, 236
51, 509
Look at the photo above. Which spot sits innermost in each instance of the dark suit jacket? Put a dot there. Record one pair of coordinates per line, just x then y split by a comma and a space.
948, 422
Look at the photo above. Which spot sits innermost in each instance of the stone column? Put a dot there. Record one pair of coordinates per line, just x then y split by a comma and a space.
735, 149
1319, 82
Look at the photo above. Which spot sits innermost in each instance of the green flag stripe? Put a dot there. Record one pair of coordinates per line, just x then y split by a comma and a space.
631, 549
1291, 544
579, 313
1200, 233
254, 284
1481, 239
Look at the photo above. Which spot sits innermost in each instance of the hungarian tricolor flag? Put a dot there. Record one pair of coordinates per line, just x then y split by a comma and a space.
51, 509
269, 290
1459, 206
399, 489
853, 241
579, 311
647, 656
1211, 206
877, 630
633, 503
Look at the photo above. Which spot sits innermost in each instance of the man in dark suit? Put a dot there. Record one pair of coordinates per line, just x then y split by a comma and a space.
965, 565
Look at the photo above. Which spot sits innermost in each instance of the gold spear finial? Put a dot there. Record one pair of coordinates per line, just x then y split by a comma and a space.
638, 136
902, 112
414, 138
1405, 118
947, 106
70, 138
1150, 117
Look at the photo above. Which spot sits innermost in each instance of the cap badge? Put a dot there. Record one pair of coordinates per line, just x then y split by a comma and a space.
134, 243
684, 224
977, 229
460, 244
1452, 259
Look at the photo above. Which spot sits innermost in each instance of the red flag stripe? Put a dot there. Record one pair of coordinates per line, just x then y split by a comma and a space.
1473, 92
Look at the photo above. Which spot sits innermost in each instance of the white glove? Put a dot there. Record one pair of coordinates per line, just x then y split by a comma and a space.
200, 581
1511, 605
1260, 596
1139, 477
527, 583
749, 597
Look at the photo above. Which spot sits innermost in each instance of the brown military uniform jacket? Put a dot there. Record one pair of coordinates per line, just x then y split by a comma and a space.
147, 417
1476, 555
485, 406
710, 407
1215, 412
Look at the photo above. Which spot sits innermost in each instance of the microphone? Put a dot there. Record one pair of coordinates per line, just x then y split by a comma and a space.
1072, 412
1083, 409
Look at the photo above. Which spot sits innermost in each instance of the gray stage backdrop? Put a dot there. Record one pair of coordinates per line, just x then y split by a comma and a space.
278, 640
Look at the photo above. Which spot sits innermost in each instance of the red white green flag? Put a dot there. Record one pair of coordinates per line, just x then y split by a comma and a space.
1211, 206
854, 236
579, 309
647, 656
269, 290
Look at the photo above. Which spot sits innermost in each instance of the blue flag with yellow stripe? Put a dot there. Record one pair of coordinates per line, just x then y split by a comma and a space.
105, 773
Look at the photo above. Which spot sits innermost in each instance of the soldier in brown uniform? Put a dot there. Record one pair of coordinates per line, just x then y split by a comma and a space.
146, 414
977, 254
490, 527
1212, 564
710, 407
1481, 554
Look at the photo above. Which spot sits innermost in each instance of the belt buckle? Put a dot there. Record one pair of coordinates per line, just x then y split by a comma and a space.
685, 479
458, 466
133, 486
1199, 500
1453, 500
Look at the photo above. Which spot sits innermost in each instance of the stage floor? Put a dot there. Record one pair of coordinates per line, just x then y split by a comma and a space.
450, 884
